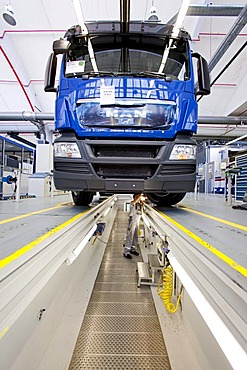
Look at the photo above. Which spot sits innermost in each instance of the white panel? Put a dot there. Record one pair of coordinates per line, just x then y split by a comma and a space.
47, 99
100, 11
3, 103
33, 14
214, 104
33, 49
14, 98
44, 156
6, 74
239, 97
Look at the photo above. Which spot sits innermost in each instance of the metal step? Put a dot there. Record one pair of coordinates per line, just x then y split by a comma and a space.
144, 277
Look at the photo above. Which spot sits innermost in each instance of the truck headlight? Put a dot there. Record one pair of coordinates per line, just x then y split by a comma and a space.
183, 151
66, 150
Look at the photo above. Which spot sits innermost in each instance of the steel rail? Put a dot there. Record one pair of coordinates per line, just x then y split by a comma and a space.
23, 279
222, 288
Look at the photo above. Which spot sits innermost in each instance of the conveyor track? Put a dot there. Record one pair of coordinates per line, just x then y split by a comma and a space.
121, 329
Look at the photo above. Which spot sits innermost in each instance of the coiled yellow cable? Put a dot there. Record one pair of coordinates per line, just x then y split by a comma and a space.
167, 290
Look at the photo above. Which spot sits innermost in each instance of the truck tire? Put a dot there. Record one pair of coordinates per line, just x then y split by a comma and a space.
165, 200
82, 198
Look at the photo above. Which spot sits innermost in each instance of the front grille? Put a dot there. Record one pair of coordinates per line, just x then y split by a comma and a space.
177, 169
79, 168
125, 151
139, 171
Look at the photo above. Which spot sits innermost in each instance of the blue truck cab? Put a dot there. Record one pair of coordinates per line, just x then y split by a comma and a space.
126, 111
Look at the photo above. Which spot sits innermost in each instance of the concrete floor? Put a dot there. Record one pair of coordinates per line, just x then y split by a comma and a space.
25, 221
226, 230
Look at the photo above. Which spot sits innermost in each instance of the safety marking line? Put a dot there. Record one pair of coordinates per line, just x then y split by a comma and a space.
31, 213
238, 226
35, 242
242, 270
4, 331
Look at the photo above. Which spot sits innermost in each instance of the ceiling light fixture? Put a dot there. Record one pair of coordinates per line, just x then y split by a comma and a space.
8, 15
237, 139
153, 14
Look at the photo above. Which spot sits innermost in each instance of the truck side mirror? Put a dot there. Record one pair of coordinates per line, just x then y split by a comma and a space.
203, 87
50, 74
60, 46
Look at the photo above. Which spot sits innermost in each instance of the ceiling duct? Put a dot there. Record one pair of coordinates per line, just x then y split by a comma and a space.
26, 116
230, 37
228, 126
222, 120
210, 11
21, 128
215, 10
35, 118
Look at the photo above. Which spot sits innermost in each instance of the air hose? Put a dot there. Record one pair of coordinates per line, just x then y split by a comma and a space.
166, 291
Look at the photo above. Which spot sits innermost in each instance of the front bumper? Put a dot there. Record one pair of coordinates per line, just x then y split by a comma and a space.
125, 166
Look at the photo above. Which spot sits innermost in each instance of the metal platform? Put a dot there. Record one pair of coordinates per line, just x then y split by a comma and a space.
121, 329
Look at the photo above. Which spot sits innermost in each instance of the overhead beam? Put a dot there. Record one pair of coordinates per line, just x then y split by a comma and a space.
228, 40
210, 11
222, 120
26, 116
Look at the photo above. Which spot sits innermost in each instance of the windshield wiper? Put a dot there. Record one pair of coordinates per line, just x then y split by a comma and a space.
150, 74
86, 75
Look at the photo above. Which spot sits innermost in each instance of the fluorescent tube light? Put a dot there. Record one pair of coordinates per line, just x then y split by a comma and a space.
180, 18
237, 139
81, 22
76, 252
106, 211
233, 351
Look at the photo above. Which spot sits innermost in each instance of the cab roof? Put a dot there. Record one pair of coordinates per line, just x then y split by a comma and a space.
156, 29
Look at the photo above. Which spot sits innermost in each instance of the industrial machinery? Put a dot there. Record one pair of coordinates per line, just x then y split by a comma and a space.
126, 109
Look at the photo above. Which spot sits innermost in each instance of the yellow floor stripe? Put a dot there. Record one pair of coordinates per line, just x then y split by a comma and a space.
219, 254
238, 226
31, 245
31, 213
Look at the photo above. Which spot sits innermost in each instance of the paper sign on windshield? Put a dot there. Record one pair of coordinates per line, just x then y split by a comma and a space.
107, 95
75, 66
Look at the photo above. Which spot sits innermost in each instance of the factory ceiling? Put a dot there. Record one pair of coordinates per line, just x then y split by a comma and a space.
218, 31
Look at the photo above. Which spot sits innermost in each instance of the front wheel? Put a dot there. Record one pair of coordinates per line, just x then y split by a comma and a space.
165, 200
82, 198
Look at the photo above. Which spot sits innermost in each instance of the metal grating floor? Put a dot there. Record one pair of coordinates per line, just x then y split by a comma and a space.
121, 329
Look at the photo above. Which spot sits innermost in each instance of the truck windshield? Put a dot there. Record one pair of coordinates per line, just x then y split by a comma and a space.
142, 59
